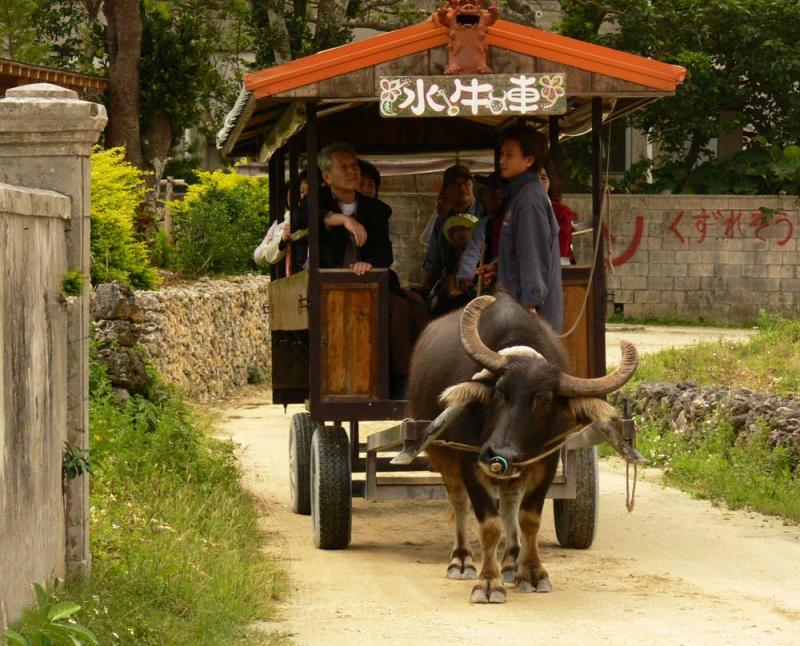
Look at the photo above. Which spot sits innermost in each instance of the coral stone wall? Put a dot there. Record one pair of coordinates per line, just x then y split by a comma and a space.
208, 338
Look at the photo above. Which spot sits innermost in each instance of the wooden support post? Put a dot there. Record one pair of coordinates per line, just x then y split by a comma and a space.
273, 202
315, 340
599, 282
167, 214
554, 132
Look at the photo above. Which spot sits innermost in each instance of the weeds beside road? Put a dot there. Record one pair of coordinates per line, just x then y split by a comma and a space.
741, 470
176, 549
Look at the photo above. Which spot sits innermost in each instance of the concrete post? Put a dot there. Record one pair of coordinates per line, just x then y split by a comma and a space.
46, 139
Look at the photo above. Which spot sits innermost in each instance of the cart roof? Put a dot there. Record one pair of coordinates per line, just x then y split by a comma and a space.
344, 81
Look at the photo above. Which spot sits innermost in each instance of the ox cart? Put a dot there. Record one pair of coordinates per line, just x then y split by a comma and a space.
330, 327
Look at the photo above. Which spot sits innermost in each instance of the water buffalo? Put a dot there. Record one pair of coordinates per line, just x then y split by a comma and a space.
505, 374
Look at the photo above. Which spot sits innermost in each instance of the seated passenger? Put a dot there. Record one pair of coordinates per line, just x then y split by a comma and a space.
479, 260
457, 181
441, 209
355, 234
273, 247
551, 180
446, 295
370, 179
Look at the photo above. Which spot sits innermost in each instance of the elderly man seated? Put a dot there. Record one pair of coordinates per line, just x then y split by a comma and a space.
355, 234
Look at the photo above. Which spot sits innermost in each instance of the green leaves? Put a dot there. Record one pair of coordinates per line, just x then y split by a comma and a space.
50, 624
118, 191
740, 57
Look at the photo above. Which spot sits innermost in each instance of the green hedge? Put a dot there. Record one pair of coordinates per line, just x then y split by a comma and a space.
118, 191
219, 224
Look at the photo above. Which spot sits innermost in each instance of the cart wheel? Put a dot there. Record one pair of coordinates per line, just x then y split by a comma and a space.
576, 520
300, 431
331, 492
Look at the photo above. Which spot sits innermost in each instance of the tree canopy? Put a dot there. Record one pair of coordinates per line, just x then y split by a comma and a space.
741, 56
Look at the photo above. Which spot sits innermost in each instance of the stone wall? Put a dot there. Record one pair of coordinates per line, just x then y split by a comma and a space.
207, 338
713, 256
694, 410
33, 391
46, 136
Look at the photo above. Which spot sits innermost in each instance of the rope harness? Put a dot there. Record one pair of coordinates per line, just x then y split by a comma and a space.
501, 466
502, 463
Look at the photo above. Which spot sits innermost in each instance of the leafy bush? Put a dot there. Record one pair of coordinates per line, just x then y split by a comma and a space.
117, 192
219, 223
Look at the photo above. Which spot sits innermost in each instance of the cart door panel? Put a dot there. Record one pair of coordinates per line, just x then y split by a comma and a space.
288, 322
579, 344
353, 334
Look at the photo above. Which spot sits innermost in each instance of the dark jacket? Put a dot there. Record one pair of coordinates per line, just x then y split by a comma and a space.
529, 262
373, 215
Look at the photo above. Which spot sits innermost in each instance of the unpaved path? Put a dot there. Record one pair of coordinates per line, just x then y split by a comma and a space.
676, 571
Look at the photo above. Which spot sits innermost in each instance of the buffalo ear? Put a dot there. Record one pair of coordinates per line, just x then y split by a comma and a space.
591, 409
468, 392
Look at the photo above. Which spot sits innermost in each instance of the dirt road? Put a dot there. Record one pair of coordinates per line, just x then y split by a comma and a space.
676, 571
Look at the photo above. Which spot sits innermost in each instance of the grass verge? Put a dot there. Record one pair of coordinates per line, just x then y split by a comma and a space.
174, 540
723, 467
716, 463
769, 362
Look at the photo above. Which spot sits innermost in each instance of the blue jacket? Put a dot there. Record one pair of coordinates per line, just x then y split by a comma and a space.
529, 259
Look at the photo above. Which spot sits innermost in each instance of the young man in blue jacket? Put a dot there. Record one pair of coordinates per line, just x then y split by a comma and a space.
529, 263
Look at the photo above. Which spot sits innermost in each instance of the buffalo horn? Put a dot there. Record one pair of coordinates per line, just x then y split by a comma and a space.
471, 340
570, 386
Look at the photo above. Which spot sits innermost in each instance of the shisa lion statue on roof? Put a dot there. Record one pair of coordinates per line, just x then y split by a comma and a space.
466, 23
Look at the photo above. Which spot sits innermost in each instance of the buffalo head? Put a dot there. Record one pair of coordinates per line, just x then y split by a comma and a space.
526, 399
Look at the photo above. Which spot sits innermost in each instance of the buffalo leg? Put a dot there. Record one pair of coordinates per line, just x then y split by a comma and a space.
489, 588
462, 560
531, 575
510, 500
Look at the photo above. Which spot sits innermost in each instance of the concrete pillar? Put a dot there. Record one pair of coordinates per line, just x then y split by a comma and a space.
46, 139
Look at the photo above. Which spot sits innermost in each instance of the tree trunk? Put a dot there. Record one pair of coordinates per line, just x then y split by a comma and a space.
281, 48
690, 160
157, 138
124, 39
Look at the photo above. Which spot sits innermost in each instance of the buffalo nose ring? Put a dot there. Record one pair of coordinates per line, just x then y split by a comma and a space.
499, 465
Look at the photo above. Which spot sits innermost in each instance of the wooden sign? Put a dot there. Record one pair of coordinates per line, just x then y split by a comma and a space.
472, 96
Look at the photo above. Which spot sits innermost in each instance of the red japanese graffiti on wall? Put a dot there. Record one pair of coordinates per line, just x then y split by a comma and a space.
633, 245
696, 226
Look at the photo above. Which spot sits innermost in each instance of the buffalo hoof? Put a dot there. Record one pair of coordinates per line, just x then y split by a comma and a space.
462, 568
542, 585
488, 591
457, 573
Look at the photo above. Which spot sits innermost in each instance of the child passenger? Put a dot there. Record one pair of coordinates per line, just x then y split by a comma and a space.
529, 259
445, 294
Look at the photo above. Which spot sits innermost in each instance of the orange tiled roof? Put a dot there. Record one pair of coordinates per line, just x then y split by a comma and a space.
508, 35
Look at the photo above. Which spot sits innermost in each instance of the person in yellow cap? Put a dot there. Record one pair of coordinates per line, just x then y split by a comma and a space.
445, 295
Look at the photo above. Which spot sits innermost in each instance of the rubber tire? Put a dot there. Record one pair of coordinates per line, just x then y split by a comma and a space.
331, 488
301, 428
576, 520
